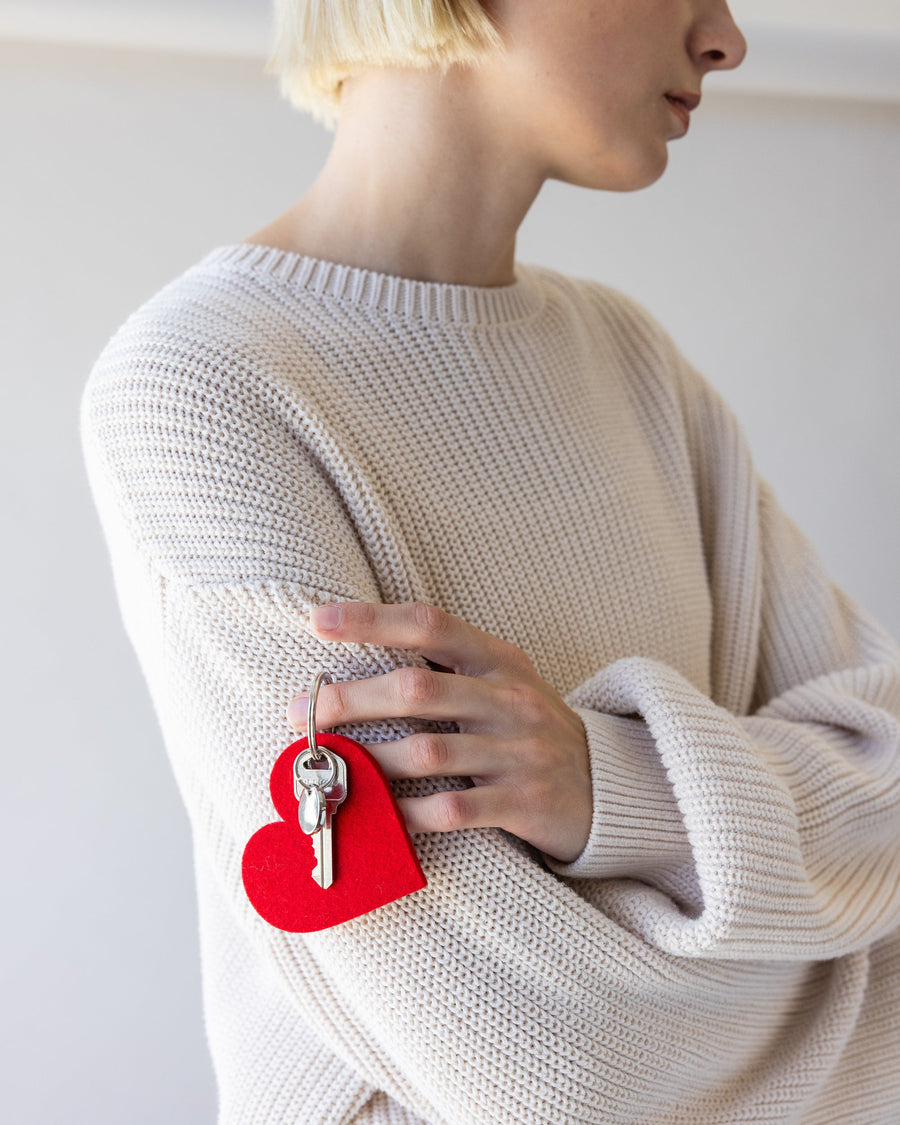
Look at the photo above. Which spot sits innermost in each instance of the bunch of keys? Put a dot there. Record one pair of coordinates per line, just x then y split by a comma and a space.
319, 792
378, 862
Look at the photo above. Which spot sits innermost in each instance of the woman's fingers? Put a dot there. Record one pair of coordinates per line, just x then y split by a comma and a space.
536, 815
432, 754
408, 693
439, 636
483, 806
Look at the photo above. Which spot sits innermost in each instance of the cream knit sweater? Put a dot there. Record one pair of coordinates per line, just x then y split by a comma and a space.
271, 431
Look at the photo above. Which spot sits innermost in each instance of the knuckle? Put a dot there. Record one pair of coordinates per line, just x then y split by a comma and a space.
415, 685
453, 810
431, 620
337, 696
429, 753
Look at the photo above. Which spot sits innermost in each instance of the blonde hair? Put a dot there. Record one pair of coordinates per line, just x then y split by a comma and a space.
319, 43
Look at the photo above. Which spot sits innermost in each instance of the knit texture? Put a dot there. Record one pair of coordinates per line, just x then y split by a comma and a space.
269, 432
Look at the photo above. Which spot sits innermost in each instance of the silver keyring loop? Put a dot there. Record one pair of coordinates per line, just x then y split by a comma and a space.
321, 677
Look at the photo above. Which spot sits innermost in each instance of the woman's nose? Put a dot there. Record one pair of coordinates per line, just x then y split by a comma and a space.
717, 42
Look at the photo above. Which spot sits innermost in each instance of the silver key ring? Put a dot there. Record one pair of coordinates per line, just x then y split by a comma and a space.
321, 677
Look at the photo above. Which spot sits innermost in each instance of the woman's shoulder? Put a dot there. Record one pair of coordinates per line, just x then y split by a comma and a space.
199, 438
216, 332
622, 325
209, 302
662, 378
598, 298
193, 369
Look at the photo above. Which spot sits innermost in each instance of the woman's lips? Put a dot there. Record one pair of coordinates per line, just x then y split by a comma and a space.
681, 112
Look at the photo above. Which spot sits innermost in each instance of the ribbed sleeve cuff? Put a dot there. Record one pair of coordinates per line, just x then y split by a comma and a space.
637, 829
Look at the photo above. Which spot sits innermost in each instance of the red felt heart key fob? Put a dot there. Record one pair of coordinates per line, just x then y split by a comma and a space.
373, 861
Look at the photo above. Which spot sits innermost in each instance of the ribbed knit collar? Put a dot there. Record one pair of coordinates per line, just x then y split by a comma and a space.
388, 294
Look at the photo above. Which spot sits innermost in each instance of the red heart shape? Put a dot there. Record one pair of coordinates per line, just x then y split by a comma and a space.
374, 858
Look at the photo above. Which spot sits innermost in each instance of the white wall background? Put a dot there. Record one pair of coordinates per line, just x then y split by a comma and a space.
770, 249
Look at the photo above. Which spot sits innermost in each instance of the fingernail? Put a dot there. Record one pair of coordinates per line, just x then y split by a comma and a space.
327, 616
298, 709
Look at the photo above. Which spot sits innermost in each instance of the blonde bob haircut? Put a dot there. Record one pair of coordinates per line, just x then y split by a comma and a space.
319, 43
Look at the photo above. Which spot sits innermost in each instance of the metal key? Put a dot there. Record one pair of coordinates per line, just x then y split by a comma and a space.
319, 793
323, 847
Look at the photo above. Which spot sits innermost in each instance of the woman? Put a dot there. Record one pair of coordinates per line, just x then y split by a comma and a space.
647, 751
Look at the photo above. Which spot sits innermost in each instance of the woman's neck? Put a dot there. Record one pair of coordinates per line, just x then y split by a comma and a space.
416, 184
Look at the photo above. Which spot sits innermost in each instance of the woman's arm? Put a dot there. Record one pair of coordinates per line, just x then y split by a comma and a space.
785, 821
768, 810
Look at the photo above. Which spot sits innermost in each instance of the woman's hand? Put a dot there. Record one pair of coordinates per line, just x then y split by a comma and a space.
522, 745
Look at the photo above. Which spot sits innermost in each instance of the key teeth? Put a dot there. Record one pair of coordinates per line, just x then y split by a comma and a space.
317, 870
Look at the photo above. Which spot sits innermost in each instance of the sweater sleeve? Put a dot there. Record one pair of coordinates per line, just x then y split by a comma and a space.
766, 815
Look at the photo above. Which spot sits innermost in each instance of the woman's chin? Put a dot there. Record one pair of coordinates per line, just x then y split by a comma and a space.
630, 174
